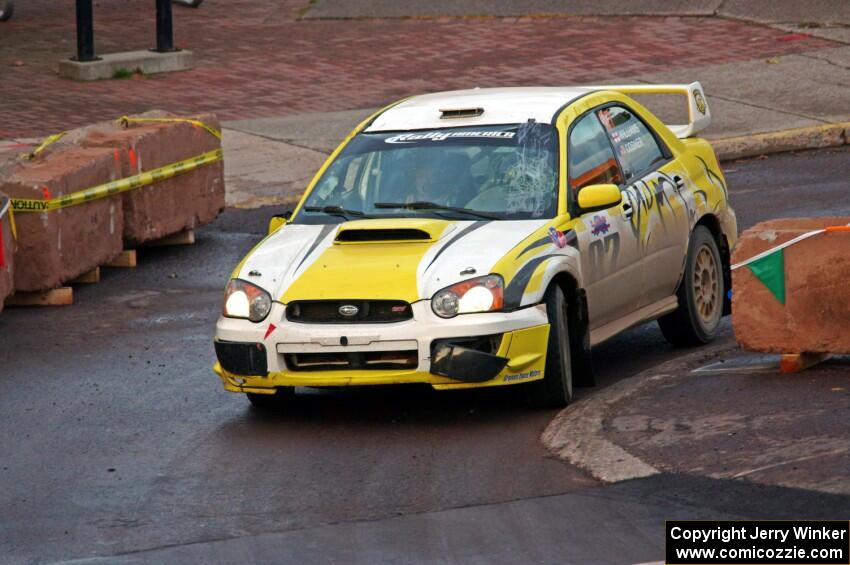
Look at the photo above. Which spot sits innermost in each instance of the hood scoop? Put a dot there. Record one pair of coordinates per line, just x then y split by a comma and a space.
382, 235
395, 230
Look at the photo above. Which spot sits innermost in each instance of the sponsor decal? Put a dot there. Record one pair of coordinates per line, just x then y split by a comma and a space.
559, 238
521, 376
701, 105
270, 330
625, 133
599, 225
444, 135
630, 146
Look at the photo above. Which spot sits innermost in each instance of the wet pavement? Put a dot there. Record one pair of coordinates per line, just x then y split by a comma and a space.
119, 439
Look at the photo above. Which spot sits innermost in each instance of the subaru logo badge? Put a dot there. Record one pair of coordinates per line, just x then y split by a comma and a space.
348, 310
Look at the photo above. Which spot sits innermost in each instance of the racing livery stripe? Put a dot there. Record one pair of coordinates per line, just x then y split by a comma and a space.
516, 288
535, 244
468, 229
571, 238
326, 229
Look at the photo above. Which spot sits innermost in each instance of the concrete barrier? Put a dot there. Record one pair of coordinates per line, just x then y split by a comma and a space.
55, 246
166, 207
7, 251
59, 245
810, 276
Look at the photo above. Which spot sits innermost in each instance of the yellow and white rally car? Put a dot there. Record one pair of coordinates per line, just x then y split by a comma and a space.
485, 237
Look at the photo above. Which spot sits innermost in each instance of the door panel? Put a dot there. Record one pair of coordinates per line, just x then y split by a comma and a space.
611, 266
659, 218
608, 247
668, 206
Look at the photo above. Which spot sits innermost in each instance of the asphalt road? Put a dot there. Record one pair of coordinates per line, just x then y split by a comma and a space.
118, 439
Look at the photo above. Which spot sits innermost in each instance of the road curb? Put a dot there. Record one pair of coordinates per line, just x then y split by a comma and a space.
814, 137
575, 434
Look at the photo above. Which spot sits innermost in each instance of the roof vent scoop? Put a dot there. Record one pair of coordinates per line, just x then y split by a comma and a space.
450, 113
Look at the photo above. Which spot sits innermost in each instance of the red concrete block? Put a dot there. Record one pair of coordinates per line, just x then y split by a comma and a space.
59, 245
183, 202
816, 315
7, 253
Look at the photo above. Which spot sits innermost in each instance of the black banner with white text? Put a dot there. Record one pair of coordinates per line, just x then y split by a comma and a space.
803, 542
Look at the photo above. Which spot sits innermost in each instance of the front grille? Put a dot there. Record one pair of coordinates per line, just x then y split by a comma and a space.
372, 360
328, 311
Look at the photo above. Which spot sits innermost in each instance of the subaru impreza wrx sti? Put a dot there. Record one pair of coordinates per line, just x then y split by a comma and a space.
485, 237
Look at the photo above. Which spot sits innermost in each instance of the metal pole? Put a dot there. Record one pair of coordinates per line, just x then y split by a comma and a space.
85, 32
164, 28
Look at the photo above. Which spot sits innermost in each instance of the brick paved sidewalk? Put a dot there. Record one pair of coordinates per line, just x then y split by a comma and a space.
255, 58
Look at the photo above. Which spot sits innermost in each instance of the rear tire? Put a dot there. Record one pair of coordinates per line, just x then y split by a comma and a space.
700, 294
555, 390
271, 401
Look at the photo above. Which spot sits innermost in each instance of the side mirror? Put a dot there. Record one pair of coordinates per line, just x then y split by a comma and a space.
279, 220
598, 197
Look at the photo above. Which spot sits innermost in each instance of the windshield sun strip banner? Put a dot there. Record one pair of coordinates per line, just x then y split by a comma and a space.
444, 135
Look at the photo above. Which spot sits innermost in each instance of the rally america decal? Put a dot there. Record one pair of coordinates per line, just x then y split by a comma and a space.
443, 135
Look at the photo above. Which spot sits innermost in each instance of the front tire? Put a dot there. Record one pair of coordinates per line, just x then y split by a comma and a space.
555, 390
268, 402
700, 294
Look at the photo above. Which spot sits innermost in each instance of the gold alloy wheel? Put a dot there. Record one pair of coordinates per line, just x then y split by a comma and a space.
706, 285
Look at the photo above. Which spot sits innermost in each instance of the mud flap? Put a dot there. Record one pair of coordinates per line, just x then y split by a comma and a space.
723, 247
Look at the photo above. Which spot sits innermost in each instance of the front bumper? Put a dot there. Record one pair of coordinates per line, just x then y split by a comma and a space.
520, 356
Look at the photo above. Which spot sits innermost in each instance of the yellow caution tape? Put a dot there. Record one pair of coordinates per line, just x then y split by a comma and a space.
118, 186
125, 121
50, 139
12, 223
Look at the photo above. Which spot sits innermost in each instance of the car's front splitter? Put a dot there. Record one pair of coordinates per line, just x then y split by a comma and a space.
524, 349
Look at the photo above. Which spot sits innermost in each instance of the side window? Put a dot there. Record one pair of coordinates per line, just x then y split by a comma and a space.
635, 145
589, 155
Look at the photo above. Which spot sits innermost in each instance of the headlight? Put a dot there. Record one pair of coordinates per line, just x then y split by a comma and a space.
482, 294
245, 300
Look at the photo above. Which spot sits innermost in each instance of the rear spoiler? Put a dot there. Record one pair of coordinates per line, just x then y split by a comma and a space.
699, 115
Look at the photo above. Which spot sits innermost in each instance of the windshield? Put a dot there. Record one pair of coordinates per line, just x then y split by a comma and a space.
500, 172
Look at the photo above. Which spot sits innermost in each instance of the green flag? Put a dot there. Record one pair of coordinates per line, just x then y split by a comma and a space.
770, 270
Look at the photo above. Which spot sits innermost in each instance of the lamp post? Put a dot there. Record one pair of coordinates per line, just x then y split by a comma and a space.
85, 32
164, 27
